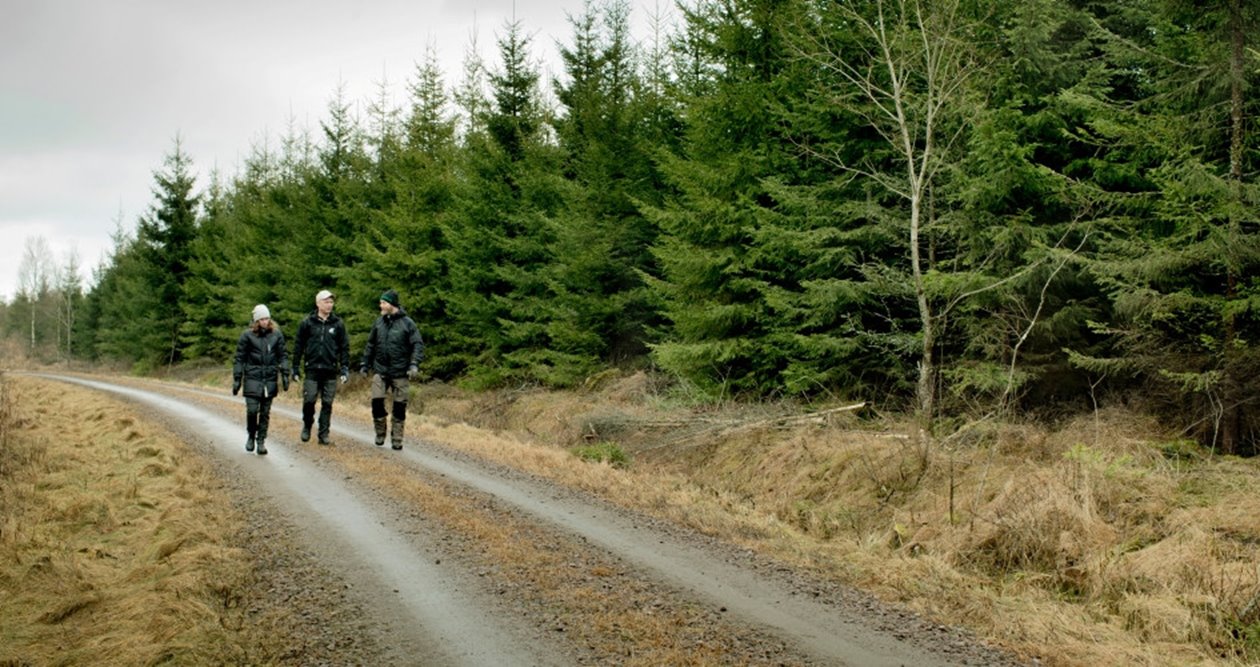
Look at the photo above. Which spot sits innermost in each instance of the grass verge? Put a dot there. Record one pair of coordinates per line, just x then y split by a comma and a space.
114, 543
1101, 541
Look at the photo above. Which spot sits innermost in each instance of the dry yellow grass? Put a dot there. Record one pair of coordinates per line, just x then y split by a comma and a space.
113, 543
1099, 543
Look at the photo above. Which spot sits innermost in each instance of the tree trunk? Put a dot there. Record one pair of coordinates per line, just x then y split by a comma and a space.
1232, 419
926, 390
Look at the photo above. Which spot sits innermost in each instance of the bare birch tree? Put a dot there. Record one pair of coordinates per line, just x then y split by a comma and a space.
35, 274
68, 293
914, 62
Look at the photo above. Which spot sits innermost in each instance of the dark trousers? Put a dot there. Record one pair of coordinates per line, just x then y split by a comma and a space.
322, 385
257, 416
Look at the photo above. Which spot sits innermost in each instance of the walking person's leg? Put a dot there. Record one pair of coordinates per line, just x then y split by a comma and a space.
379, 414
310, 389
401, 389
327, 392
251, 422
264, 421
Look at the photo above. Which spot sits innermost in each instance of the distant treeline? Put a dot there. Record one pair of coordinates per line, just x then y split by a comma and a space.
949, 207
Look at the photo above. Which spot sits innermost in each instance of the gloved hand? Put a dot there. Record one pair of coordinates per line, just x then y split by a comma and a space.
344, 378
236, 387
363, 371
296, 375
411, 373
284, 381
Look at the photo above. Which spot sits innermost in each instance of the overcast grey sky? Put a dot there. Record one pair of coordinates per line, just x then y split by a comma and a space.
94, 92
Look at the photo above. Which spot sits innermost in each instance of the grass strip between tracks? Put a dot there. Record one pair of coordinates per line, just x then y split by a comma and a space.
577, 592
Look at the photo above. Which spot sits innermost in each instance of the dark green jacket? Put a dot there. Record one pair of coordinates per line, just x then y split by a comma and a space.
393, 346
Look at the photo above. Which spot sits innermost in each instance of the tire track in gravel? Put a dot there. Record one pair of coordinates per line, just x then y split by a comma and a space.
457, 627
447, 624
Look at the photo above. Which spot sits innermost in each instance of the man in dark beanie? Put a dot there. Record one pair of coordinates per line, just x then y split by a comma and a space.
393, 353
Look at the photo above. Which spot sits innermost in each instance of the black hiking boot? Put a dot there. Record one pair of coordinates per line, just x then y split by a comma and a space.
380, 430
249, 444
262, 449
306, 433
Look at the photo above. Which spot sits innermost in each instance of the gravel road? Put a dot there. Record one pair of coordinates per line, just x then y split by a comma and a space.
349, 575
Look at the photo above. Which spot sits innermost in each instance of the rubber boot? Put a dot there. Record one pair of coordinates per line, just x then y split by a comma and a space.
262, 448
251, 427
325, 421
308, 418
380, 424
396, 435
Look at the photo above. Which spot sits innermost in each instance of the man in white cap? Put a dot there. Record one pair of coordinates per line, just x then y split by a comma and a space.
260, 360
323, 344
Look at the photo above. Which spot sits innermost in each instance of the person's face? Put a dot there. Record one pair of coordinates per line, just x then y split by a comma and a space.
387, 308
324, 306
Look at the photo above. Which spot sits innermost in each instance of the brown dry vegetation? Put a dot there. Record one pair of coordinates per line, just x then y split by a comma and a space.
1104, 541
113, 541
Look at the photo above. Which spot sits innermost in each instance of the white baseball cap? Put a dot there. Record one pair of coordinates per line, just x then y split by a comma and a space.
324, 294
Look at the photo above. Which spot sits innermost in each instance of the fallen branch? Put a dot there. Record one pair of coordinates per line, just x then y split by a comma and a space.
726, 429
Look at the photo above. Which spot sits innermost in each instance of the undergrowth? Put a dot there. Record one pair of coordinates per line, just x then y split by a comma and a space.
603, 452
1101, 541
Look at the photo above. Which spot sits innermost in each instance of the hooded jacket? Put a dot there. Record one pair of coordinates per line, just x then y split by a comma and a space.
393, 346
260, 358
323, 344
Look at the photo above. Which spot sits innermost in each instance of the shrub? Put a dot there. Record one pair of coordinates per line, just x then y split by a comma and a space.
603, 452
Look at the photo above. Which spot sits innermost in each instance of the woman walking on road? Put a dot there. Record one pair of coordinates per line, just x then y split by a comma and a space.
260, 361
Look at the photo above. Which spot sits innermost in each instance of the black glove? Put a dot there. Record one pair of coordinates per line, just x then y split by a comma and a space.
236, 387
363, 370
284, 381
411, 373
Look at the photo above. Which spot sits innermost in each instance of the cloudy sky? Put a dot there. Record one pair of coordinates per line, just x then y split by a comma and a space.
93, 93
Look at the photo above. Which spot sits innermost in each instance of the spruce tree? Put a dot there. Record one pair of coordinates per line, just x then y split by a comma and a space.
717, 278
1177, 257
603, 311
163, 252
502, 234
212, 311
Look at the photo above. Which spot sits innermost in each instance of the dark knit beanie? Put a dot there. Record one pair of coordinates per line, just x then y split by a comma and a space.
391, 297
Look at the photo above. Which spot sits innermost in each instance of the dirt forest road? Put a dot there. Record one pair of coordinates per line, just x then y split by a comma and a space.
413, 590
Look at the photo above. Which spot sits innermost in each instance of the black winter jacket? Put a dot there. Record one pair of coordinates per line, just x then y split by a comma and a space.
260, 359
323, 344
393, 346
